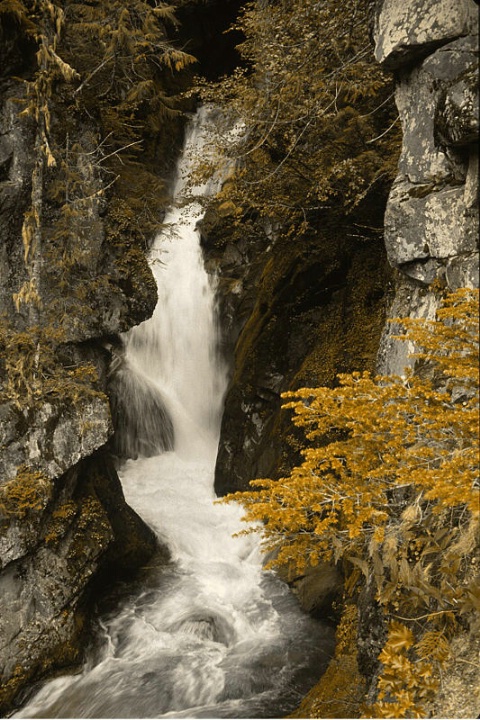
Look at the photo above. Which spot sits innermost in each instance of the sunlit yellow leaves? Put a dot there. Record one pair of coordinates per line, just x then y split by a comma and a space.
433, 645
399, 636
389, 487
394, 432
407, 677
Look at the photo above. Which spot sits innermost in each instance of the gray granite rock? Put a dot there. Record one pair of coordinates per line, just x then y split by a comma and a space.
405, 31
411, 300
463, 271
435, 226
56, 436
431, 220
457, 116
420, 93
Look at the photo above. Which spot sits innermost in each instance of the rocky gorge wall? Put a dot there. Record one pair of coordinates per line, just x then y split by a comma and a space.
431, 220
431, 224
73, 273
295, 313
298, 313
431, 238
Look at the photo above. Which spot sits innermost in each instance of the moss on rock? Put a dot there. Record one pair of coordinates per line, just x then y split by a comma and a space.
341, 690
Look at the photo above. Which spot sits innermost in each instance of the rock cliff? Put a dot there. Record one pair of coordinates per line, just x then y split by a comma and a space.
73, 272
431, 238
431, 220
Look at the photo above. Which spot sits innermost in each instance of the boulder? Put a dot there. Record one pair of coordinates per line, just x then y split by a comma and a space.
406, 31
436, 226
318, 589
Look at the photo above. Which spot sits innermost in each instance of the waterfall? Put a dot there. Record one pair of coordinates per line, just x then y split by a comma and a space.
212, 634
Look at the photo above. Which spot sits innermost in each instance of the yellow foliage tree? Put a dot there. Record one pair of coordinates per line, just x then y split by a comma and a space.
373, 437
389, 487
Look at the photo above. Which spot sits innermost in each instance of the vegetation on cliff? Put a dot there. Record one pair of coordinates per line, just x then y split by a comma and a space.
310, 160
98, 107
316, 127
388, 487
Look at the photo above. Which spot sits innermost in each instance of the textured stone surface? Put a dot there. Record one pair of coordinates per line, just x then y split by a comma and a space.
419, 93
56, 437
436, 226
431, 220
431, 228
84, 531
102, 294
301, 313
15, 176
317, 589
457, 117
463, 271
459, 694
406, 30
411, 300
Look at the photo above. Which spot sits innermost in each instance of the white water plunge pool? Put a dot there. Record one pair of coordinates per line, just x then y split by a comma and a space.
211, 635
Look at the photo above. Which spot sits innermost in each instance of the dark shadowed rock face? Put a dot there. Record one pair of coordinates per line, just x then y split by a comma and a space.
295, 314
52, 548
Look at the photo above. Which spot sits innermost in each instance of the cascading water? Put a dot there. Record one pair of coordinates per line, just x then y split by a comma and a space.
211, 634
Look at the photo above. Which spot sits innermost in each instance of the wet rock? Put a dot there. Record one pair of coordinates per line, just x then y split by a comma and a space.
142, 424
84, 532
57, 537
317, 589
